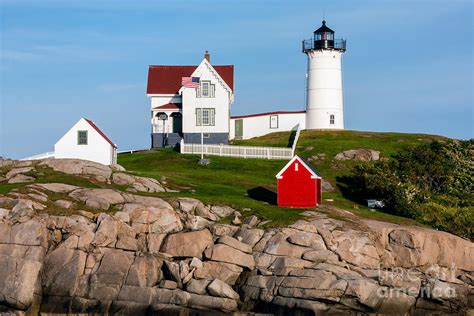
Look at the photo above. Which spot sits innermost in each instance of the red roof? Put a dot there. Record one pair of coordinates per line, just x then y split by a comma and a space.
267, 113
167, 79
169, 106
100, 132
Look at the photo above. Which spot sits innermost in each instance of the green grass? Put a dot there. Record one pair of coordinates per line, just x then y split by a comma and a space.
228, 180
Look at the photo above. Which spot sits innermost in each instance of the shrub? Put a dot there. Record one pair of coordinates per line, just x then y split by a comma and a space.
432, 183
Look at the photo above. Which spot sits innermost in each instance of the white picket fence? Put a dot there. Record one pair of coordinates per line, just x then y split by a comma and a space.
242, 151
40, 156
238, 151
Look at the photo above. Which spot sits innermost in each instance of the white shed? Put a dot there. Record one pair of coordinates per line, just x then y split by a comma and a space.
86, 141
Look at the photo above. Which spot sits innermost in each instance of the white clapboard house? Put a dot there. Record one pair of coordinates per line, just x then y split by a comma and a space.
86, 141
184, 113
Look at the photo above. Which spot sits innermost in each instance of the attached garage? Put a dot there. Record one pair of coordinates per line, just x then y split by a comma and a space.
298, 185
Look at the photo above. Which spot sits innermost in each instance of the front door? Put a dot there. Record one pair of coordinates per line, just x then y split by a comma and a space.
239, 129
177, 123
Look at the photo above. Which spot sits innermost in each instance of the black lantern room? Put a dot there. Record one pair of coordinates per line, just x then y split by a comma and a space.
323, 37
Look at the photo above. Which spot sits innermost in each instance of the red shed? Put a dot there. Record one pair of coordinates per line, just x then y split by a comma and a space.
298, 185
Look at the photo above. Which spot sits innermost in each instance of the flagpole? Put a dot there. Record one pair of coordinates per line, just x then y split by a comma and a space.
202, 135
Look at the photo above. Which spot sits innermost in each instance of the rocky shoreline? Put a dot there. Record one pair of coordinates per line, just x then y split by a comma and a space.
138, 254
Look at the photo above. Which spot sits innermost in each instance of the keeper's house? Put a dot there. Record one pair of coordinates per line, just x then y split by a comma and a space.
179, 112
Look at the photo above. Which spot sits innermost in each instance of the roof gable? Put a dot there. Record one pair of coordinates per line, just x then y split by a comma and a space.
100, 132
314, 174
205, 65
167, 79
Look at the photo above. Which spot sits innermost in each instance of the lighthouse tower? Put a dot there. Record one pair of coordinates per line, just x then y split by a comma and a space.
324, 101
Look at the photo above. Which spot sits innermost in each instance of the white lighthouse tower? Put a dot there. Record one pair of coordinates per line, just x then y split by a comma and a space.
324, 101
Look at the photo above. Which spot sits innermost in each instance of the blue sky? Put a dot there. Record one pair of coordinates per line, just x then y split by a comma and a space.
408, 67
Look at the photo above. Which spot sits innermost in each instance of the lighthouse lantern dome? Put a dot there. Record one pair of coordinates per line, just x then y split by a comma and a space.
323, 37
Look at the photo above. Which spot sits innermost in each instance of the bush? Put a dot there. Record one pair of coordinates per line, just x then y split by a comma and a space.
432, 183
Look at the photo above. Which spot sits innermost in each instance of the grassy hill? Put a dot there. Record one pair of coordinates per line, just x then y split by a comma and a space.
250, 184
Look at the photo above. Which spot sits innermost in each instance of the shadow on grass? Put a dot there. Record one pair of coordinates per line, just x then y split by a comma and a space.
292, 138
349, 189
262, 194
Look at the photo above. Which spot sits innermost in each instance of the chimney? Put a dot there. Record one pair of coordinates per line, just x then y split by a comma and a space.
207, 56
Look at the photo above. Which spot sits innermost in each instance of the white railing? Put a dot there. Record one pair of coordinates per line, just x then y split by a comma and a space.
295, 141
40, 156
238, 151
242, 151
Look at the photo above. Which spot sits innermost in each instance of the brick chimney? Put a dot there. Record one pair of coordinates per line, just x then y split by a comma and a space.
207, 56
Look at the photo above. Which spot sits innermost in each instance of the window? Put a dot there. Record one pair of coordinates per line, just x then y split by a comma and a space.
331, 119
296, 166
273, 121
82, 137
206, 116
206, 90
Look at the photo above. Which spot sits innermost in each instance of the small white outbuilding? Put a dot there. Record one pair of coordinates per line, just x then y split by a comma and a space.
86, 141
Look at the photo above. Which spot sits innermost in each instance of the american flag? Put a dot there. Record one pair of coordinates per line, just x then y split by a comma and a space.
190, 82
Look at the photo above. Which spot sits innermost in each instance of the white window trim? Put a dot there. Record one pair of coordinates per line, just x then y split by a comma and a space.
211, 116
211, 91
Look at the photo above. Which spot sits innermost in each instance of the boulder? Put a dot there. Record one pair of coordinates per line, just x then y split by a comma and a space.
17, 171
62, 270
223, 229
21, 178
80, 167
172, 271
106, 233
327, 186
168, 284
100, 199
250, 221
356, 247
20, 274
210, 270
117, 167
221, 289
124, 217
154, 242
153, 219
249, 236
222, 210
224, 253
22, 249
63, 203
192, 222
358, 154
57, 187
278, 245
212, 303
190, 244
123, 179
197, 286
307, 239
106, 281
234, 243
320, 256
3, 213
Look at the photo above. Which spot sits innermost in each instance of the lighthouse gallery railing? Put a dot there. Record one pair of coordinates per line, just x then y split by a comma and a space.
337, 44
